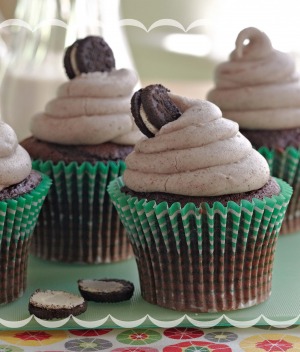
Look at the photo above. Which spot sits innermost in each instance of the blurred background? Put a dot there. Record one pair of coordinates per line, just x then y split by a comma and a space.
174, 42
170, 53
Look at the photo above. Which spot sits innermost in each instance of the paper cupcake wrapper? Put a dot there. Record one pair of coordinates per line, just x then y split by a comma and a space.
286, 166
18, 218
78, 222
203, 258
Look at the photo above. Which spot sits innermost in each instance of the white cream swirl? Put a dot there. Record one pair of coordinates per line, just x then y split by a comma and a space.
199, 154
258, 87
92, 108
15, 162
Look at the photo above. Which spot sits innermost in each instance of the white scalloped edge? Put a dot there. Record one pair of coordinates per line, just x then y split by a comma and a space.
149, 319
169, 22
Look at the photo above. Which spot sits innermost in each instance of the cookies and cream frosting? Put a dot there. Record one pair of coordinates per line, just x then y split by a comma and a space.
15, 162
258, 87
199, 154
92, 108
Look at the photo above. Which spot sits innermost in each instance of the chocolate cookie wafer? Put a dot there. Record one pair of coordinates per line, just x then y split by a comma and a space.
152, 108
88, 55
51, 304
106, 290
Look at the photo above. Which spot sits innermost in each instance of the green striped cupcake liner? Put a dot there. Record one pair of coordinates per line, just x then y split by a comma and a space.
206, 258
78, 222
18, 217
286, 166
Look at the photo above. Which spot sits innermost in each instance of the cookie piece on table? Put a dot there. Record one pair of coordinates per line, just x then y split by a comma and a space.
50, 304
90, 54
152, 108
106, 290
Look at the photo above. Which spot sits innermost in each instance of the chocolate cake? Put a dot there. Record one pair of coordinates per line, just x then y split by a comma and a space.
14, 191
271, 188
104, 152
278, 140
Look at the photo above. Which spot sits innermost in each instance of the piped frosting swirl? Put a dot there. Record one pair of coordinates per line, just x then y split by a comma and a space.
15, 162
258, 87
199, 154
92, 108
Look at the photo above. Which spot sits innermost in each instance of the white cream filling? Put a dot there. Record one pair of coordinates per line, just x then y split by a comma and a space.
55, 299
73, 61
147, 123
100, 286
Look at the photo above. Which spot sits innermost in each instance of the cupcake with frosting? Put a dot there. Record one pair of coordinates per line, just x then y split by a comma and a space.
200, 207
22, 193
81, 141
259, 88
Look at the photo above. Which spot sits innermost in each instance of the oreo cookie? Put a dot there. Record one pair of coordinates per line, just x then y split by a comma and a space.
51, 304
106, 290
152, 108
90, 54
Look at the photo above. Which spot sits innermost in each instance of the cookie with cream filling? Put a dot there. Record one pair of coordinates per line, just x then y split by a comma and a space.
82, 56
152, 108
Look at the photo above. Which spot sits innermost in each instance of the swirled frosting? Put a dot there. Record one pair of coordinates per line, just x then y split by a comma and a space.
92, 108
199, 154
15, 162
258, 87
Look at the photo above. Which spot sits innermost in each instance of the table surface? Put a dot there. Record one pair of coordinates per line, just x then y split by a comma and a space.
281, 309
142, 338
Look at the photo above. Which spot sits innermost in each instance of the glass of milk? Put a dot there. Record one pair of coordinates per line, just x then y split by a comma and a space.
41, 31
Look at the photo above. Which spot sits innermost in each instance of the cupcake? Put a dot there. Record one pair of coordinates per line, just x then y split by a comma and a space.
199, 205
22, 193
259, 88
81, 141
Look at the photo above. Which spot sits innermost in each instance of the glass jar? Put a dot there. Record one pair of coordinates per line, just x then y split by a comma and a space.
41, 32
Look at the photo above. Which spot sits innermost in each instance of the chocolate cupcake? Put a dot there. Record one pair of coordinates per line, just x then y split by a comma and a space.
259, 88
81, 141
22, 193
201, 211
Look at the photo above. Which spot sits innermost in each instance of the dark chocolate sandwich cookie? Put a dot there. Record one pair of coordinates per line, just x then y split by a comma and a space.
152, 108
88, 55
51, 304
105, 290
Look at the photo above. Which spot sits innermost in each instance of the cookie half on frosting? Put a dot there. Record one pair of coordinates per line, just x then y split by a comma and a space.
152, 108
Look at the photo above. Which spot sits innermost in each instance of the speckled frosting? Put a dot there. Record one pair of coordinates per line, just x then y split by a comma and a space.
92, 108
199, 154
15, 162
258, 86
